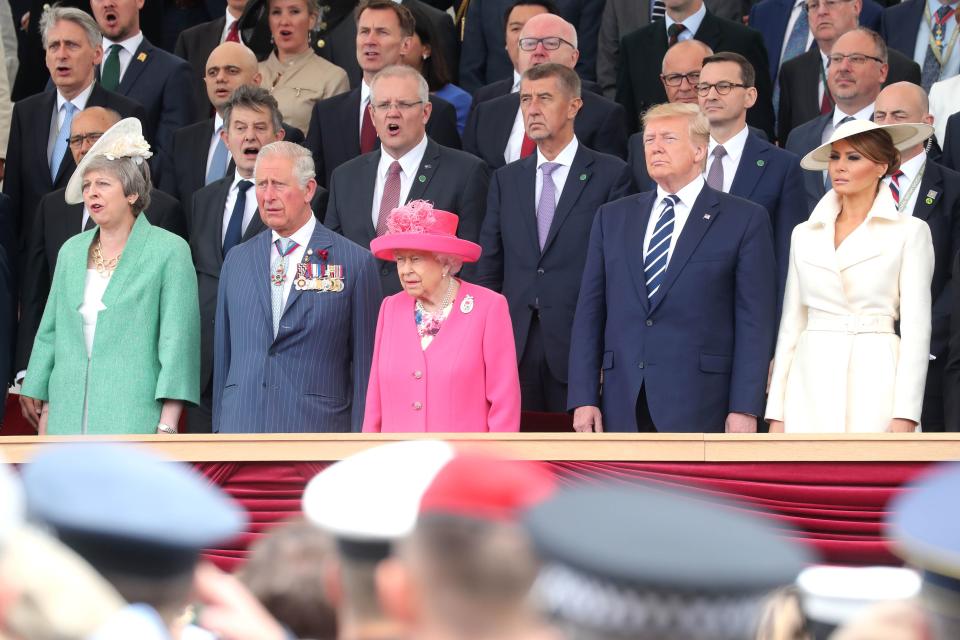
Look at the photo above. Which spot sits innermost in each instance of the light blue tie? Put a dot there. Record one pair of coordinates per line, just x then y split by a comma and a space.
655, 262
796, 44
218, 163
63, 141
284, 247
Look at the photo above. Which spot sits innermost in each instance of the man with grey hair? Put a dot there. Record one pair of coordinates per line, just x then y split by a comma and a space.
408, 166
685, 342
72, 42
296, 314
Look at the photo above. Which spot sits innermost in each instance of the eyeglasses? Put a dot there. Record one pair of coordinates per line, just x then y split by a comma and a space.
402, 106
551, 43
77, 141
829, 4
676, 79
856, 59
723, 88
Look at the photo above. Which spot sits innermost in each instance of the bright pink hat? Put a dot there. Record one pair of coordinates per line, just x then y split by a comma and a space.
486, 487
417, 226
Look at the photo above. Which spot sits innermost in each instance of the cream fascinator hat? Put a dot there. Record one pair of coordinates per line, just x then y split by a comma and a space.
904, 136
122, 140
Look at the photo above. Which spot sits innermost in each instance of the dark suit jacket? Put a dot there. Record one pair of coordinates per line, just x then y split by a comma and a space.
185, 170
483, 56
334, 135
639, 86
951, 143
900, 25
600, 125
538, 283
942, 185
313, 375
8, 292
803, 140
452, 180
800, 82
951, 387
163, 84
54, 224
195, 45
702, 346
504, 87
771, 17
27, 170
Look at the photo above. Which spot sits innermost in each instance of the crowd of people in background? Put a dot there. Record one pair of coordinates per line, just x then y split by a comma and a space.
665, 216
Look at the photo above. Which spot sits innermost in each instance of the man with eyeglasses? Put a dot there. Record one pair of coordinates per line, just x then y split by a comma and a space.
56, 222
638, 87
409, 165
857, 71
803, 80
495, 130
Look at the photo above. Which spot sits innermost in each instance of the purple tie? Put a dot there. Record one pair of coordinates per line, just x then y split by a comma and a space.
548, 202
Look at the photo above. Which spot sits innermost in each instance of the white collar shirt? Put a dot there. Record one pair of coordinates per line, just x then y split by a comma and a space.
249, 208
516, 82
731, 161
409, 165
302, 237
692, 23
515, 141
688, 196
559, 175
912, 170
128, 48
364, 101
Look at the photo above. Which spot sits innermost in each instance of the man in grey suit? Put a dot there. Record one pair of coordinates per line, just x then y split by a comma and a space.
296, 314
408, 166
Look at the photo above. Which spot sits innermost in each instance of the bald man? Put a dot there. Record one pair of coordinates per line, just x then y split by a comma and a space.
680, 70
931, 192
200, 156
495, 131
56, 222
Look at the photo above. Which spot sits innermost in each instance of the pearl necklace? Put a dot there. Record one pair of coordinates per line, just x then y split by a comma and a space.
433, 320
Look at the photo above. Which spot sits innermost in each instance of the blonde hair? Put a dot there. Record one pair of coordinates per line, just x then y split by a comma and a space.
699, 125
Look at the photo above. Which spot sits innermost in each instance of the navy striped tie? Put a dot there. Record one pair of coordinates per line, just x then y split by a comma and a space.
655, 262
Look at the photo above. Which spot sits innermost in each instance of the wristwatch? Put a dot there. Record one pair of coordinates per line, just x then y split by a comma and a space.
165, 428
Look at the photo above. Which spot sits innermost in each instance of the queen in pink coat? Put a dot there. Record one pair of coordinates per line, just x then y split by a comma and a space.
444, 357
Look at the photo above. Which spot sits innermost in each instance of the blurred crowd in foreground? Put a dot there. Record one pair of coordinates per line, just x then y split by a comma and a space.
422, 540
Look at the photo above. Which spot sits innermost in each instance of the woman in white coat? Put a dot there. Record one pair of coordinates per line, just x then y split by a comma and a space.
858, 266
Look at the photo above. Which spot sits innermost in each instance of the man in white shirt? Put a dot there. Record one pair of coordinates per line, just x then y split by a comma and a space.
927, 190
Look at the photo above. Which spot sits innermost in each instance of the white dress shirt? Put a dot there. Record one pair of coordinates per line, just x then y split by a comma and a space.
409, 165
364, 102
952, 65
559, 175
692, 23
56, 119
798, 8
516, 82
128, 50
730, 162
821, 85
515, 141
214, 139
226, 27
911, 170
302, 238
681, 211
249, 209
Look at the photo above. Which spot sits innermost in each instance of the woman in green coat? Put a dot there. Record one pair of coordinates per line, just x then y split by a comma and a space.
118, 349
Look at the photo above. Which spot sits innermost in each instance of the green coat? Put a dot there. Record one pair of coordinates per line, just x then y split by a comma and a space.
147, 342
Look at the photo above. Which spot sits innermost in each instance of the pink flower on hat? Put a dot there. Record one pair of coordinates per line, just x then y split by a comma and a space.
414, 217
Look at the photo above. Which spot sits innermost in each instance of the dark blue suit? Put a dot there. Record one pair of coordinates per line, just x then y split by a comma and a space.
700, 349
313, 375
900, 25
537, 283
951, 143
802, 141
771, 17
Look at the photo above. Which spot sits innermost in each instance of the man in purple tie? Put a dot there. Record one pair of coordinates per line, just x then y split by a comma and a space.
539, 213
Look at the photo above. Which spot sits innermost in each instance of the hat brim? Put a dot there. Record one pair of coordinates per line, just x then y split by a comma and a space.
126, 127
904, 136
384, 246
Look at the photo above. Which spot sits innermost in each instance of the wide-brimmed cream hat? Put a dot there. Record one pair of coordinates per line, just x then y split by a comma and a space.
122, 140
904, 136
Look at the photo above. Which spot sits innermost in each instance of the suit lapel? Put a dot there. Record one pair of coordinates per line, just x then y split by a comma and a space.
138, 64
577, 179
42, 138
750, 169
262, 257
930, 189
709, 31
215, 237
633, 238
368, 182
527, 198
428, 166
703, 214
810, 76
500, 136
350, 116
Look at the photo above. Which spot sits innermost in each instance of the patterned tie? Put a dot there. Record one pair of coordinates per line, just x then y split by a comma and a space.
277, 268
931, 62
796, 44
235, 225
368, 133
895, 186
233, 34
655, 262
528, 146
715, 175
390, 199
548, 202
63, 140
218, 163
657, 10
673, 33
110, 73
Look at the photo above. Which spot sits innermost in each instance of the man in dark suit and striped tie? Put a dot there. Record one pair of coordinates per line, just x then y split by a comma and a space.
296, 314
676, 336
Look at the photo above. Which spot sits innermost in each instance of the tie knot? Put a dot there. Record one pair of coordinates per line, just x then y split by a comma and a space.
285, 246
394, 168
846, 119
675, 29
549, 167
115, 49
944, 12
719, 151
69, 107
243, 185
671, 200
